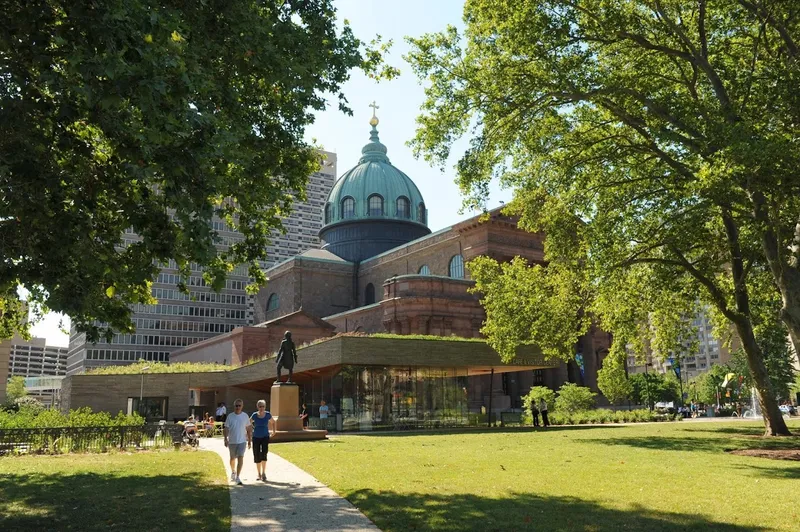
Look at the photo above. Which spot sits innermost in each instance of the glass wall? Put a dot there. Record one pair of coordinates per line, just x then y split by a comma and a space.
364, 398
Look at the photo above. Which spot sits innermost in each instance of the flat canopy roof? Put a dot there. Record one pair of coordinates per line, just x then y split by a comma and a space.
470, 357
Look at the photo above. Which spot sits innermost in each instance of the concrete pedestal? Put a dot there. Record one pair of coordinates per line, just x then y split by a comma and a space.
284, 401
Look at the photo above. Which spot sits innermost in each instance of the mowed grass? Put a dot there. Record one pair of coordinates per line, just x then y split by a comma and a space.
652, 477
169, 490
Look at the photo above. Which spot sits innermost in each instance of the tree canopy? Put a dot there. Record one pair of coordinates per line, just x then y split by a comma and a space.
654, 143
153, 118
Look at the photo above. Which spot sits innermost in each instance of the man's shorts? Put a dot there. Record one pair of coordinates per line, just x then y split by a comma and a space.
237, 449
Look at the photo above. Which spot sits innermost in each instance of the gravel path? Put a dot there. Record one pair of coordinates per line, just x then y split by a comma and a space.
290, 500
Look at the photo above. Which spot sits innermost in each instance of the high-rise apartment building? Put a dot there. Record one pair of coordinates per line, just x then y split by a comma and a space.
709, 352
178, 320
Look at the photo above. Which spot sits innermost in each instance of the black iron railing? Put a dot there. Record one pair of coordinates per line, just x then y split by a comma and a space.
59, 440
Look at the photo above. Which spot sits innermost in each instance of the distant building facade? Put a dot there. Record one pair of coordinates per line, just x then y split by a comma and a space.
710, 352
179, 320
34, 358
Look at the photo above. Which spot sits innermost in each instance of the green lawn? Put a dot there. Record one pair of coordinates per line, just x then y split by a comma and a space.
163, 491
666, 476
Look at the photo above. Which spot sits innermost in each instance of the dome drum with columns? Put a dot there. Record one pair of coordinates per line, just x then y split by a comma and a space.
373, 207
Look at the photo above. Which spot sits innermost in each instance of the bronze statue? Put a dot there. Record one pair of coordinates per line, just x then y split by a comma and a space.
287, 357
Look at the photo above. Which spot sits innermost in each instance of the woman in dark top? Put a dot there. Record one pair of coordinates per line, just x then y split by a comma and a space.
304, 415
263, 425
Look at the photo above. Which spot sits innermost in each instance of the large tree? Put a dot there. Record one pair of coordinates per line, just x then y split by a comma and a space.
668, 128
153, 117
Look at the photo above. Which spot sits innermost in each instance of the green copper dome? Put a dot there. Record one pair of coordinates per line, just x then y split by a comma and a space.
374, 190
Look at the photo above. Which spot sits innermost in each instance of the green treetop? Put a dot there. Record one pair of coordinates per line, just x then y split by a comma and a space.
656, 145
153, 117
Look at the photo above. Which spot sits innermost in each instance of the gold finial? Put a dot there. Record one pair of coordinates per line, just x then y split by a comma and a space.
374, 120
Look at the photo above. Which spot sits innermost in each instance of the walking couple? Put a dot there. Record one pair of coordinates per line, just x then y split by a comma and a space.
242, 432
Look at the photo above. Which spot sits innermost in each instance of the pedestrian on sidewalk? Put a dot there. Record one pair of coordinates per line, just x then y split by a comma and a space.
238, 433
263, 427
543, 410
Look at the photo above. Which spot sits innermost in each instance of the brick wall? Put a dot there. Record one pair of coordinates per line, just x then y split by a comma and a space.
281, 282
434, 252
319, 287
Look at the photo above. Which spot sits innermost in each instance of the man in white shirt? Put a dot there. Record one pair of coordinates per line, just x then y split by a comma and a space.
238, 433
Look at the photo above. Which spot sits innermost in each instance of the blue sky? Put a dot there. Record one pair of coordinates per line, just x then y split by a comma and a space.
399, 101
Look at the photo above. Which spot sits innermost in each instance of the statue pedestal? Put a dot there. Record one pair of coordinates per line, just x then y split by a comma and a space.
284, 405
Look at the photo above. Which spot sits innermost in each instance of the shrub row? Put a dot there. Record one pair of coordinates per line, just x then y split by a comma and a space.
603, 415
83, 417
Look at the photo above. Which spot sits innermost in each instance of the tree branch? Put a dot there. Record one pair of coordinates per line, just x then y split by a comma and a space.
716, 294
761, 12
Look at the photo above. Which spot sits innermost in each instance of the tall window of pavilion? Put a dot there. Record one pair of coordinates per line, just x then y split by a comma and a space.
348, 208
457, 267
421, 218
273, 302
424, 270
403, 208
327, 213
369, 294
375, 203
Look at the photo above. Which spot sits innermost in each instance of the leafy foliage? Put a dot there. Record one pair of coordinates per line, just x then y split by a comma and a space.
651, 388
602, 415
572, 398
613, 381
83, 417
160, 367
154, 118
15, 389
525, 304
656, 146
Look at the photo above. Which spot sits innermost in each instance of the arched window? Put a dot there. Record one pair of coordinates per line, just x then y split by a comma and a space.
424, 270
403, 210
273, 302
348, 208
375, 205
369, 295
421, 214
327, 213
457, 267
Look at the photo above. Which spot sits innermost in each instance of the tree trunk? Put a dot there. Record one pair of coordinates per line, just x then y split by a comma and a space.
773, 419
785, 273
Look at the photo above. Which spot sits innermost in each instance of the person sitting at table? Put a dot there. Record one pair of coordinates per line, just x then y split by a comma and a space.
209, 426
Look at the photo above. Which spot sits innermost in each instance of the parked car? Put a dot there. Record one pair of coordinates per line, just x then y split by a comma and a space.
788, 410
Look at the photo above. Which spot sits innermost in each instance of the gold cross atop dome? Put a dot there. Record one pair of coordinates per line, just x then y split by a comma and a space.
374, 120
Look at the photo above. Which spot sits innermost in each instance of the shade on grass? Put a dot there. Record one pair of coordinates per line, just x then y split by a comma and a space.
653, 477
170, 490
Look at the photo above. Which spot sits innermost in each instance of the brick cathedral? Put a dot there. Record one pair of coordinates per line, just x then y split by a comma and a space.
381, 270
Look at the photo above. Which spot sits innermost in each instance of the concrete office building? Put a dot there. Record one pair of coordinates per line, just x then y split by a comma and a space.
34, 358
179, 320
41, 365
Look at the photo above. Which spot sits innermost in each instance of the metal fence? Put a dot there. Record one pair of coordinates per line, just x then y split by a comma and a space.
59, 440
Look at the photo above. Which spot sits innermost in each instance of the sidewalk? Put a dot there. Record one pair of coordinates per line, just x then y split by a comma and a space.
290, 500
